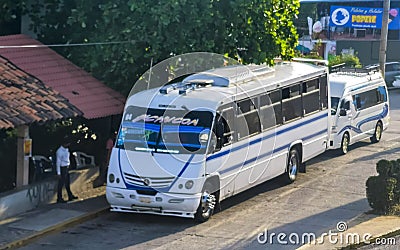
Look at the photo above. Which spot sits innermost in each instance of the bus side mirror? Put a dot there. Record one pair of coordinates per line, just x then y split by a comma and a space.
342, 112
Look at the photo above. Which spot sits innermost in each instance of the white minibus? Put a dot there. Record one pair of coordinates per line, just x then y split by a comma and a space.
185, 147
359, 106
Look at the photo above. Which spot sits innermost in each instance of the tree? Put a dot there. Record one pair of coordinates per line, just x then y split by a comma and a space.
306, 10
257, 31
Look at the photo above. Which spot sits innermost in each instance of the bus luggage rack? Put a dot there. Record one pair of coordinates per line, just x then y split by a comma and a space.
186, 86
341, 69
222, 77
318, 62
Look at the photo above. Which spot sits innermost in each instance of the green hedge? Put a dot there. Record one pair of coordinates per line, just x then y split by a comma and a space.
383, 190
349, 60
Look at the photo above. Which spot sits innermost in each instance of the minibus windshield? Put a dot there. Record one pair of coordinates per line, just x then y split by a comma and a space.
165, 131
334, 105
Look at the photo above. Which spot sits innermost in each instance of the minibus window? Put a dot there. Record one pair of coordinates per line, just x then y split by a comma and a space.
382, 94
357, 102
346, 105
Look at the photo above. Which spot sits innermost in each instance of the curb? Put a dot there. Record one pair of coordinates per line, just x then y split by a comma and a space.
70, 222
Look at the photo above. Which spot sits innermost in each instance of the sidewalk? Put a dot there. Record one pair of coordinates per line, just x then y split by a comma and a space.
21, 229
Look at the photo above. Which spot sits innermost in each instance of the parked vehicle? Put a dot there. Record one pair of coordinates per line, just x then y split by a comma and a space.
183, 148
359, 106
392, 69
396, 82
41, 167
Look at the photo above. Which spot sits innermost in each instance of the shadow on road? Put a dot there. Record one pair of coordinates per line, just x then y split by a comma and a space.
308, 228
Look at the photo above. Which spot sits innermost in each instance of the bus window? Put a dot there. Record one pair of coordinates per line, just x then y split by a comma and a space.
323, 92
227, 118
366, 99
357, 102
270, 109
310, 96
345, 105
222, 134
291, 103
248, 119
382, 97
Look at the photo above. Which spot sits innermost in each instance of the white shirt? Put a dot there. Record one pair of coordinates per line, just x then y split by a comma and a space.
62, 155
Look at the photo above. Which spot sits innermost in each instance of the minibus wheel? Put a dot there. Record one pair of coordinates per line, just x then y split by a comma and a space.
345, 143
207, 204
292, 167
378, 133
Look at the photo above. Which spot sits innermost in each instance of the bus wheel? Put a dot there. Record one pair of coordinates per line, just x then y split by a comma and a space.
207, 204
292, 167
345, 144
378, 133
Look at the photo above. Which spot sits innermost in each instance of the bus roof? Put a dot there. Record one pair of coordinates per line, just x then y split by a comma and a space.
213, 88
345, 81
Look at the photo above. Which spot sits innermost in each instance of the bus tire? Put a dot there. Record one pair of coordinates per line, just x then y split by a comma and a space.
292, 167
344, 146
377, 133
208, 202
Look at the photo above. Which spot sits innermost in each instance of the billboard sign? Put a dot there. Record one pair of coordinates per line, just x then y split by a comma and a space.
360, 17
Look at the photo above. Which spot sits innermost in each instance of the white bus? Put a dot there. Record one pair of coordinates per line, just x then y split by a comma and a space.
360, 106
185, 147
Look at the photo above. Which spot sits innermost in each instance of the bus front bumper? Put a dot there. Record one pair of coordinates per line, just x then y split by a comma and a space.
125, 200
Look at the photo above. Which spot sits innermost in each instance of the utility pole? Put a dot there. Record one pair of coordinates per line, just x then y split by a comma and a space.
384, 34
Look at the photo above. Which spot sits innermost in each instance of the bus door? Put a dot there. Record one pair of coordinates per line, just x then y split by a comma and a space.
219, 158
346, 114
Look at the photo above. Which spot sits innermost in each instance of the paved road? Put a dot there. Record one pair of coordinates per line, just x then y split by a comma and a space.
332, 190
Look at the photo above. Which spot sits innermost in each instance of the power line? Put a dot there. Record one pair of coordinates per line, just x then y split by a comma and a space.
59, 45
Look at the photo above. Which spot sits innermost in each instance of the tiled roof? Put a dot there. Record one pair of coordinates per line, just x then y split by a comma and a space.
85, 92
25, 99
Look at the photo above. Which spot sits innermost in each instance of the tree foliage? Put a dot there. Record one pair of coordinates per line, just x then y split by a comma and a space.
10, 9
256, 31
348, 60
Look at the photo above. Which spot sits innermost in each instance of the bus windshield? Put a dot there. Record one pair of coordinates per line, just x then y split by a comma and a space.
165, 131
334, 105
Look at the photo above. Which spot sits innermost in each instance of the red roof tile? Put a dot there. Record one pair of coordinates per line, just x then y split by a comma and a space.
82, 90
25, 99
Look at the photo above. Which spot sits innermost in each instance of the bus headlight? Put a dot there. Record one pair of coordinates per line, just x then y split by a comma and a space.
189, 184
111, 178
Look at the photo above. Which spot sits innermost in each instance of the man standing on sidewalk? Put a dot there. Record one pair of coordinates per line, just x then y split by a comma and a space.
62, 165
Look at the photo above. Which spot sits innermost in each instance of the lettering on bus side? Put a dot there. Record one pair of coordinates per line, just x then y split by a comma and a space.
161, 119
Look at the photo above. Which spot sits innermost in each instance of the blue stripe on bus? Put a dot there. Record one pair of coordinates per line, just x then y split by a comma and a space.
183, 170
276, 150
357, 129
314, 135
220, 154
